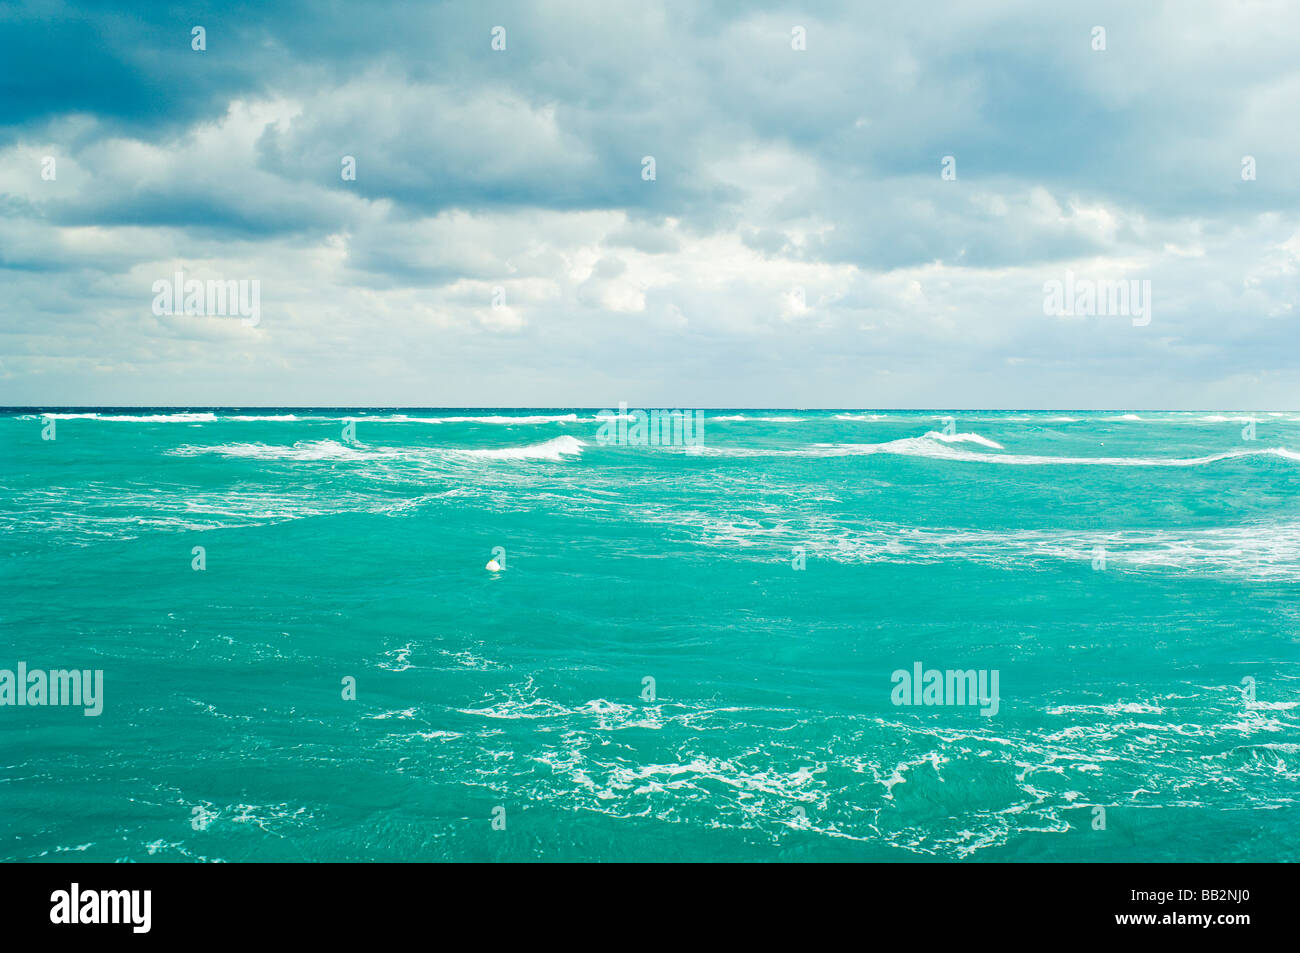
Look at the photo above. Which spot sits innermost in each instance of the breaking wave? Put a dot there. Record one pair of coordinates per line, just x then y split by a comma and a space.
938, 446
312, 450
186, 418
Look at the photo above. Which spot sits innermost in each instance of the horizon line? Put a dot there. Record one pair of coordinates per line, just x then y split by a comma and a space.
4, 408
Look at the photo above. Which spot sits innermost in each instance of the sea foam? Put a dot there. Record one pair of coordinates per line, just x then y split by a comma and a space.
311, 450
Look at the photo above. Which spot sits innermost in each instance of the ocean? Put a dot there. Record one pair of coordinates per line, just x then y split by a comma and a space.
804, 636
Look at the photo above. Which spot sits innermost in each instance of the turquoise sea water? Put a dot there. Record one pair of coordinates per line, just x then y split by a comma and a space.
1134, 580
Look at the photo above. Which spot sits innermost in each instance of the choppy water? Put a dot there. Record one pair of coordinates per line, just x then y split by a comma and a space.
1123, 573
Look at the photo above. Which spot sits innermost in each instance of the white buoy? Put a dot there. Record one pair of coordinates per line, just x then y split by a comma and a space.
493, 566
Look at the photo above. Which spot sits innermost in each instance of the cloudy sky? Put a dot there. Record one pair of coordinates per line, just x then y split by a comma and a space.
798, 246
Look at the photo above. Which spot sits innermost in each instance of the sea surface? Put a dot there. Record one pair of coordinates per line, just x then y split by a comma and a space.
690, 651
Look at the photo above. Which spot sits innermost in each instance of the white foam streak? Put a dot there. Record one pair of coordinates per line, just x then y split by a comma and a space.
964, 438
493, 419
313, 450
209, 417
198, 418
556, 449
938, 446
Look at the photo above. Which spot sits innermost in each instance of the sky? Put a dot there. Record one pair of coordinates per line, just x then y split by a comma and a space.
851, 205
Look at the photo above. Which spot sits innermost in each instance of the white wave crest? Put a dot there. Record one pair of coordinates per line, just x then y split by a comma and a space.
775, 420
1036, 460
199, 418
303, 450
209, 417
555, 449
311, 450
938, 446
964, 438
491, 419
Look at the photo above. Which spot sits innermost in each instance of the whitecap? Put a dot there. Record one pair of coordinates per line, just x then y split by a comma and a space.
311, 450
186, 418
